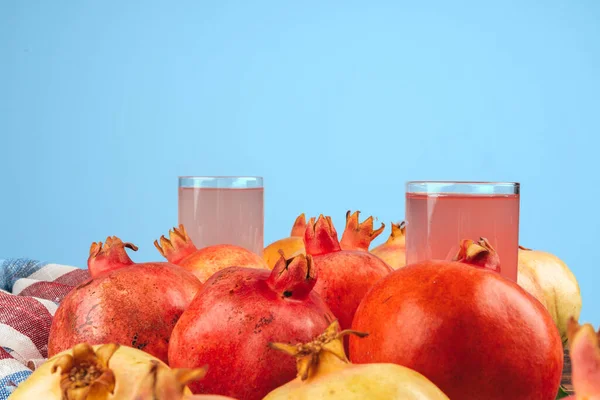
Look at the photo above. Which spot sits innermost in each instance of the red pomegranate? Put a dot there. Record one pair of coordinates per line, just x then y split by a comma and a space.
180, 250
232, 320
359, 235
473, 333
131, 304
345, 276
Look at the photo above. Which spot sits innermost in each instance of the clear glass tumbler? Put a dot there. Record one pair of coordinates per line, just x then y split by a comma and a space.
440, 214
223, 210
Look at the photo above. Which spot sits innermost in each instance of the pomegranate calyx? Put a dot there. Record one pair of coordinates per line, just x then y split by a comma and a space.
359, 235
112, 243
109, 256
308, 355
479, 254
165, 383
177, 247
293, 278
398, 232
85, 374
584, 349
321, 237
299, 226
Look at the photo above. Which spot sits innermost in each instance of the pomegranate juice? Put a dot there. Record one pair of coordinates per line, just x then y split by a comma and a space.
214, 216
436, 223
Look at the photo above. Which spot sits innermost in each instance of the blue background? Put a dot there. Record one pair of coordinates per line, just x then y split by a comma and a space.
336, 103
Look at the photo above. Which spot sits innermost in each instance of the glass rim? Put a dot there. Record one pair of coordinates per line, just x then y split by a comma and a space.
219, 177
236, 182
467, 182
463, 187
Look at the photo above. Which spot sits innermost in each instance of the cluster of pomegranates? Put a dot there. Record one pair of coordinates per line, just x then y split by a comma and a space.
315, 318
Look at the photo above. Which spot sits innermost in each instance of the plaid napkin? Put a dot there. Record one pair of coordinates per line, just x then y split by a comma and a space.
30, 292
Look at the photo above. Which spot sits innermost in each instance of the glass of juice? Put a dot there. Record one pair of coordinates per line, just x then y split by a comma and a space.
223, 210
440, 214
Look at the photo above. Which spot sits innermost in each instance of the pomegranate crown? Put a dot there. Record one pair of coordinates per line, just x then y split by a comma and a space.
398, 233
574, 329
293, 278
85, 373
584, 348
359, 235
308, 354
112, 245
165, 383
321, 237
299, 226
109, 256
177, 247
479, 254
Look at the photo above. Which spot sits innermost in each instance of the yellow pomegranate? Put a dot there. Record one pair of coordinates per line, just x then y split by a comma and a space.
393, 251
292, 245
87, 372
324, 372
528, 281
584, 348
561, 293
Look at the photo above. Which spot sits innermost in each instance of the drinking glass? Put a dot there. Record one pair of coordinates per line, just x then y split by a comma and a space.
223, 210
440, 214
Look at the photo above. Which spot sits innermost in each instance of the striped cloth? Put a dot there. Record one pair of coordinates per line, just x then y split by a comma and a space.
30, 292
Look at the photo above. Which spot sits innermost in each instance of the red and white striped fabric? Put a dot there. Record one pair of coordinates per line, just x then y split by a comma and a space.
30, 292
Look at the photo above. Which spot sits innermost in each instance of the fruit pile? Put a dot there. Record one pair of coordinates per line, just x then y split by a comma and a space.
318, 317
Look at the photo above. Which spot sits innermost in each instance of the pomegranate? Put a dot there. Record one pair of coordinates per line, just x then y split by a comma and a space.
345, 276
324, 372
89, 372
527, 280
233, 318
393, 251
472, 332
130, 304
559, 289
291, 246
584, 348
180, 250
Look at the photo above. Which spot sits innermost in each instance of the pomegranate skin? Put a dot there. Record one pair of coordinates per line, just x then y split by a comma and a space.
473, 333
344, 279
208, 260
232, 320
136, 305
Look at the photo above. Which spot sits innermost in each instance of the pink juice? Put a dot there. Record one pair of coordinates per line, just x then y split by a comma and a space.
436, 223
214, 216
